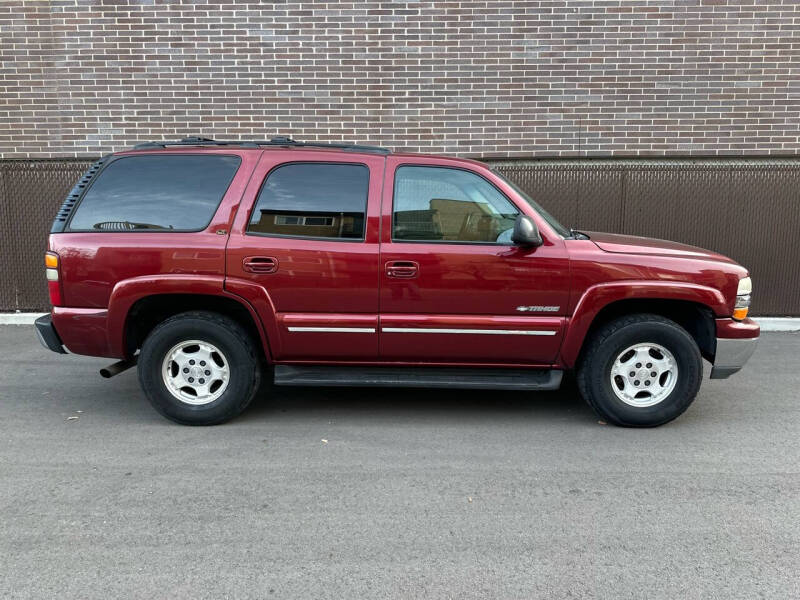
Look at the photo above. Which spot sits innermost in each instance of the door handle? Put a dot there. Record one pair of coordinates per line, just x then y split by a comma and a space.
402, 269
260, 264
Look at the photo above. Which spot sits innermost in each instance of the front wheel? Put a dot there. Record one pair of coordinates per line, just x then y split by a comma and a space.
640, 371
199, 368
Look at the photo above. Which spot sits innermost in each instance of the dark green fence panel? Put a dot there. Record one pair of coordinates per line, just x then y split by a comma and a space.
748, 209
30, 195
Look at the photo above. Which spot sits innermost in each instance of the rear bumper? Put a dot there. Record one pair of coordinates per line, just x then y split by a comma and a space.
84, 331
48, 335
736, 342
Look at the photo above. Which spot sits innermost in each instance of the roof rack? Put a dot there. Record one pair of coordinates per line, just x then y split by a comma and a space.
276, 141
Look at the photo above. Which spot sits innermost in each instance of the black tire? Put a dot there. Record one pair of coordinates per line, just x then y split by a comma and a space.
243, 359
608, 342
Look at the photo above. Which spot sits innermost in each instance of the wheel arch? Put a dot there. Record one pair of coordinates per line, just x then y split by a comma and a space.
147, 312
693, 307
138, 305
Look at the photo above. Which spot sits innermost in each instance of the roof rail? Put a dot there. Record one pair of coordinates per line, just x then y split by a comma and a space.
276, 141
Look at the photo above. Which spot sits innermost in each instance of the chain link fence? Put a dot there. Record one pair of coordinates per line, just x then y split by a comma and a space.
748, 209
31, 192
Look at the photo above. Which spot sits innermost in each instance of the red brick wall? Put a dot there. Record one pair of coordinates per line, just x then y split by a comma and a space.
515, 78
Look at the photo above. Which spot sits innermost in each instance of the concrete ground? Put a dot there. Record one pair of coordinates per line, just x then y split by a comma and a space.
340, 493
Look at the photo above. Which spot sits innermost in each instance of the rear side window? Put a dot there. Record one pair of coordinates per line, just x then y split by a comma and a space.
315, 200
156, 193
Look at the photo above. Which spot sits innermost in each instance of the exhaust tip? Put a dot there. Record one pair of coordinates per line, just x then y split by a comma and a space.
117, 367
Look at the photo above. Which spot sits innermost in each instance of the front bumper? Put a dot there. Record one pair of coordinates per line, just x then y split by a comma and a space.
731, 356
48, 335
736, 342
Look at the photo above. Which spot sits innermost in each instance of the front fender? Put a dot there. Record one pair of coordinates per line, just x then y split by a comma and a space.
599, 296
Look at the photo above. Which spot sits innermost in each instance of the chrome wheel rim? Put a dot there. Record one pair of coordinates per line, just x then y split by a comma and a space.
644, 374
195, 372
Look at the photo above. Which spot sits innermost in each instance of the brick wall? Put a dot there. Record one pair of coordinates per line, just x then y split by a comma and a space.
509, 78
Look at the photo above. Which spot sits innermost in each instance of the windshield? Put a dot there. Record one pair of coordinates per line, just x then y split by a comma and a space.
551, 220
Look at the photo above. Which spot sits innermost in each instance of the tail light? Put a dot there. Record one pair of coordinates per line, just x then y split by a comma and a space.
52, 271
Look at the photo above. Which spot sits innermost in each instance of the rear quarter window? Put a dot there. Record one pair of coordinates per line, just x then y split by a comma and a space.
313, 200
156, 193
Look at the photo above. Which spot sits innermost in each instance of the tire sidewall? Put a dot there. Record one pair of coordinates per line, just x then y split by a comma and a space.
243, 370
687, 358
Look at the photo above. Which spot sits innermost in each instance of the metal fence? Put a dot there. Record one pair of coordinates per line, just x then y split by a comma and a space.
747, 209
31, 191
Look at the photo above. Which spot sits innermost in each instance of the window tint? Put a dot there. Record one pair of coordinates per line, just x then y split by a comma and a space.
313, 200
138, 193
449, 205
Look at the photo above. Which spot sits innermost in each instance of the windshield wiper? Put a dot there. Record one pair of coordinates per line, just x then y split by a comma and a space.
127, 226
577, 235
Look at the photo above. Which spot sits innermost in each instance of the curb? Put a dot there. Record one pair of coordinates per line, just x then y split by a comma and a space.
778, 323
19, 318
767, 323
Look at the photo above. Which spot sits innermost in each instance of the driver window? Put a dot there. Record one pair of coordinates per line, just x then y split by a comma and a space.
440, 204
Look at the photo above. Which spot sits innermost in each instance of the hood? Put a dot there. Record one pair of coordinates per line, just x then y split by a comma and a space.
631, 244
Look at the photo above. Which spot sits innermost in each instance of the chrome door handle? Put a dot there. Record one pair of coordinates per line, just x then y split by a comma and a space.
260, 264
402, 269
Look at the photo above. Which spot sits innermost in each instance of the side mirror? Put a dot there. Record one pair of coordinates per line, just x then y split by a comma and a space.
526, 233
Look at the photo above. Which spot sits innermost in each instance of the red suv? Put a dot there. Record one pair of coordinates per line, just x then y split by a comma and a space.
220, 267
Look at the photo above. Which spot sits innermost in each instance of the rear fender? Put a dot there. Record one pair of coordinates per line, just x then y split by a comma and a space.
601, 295
127, 292
261, 304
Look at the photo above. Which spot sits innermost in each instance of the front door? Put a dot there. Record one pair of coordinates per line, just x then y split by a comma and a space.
454, 288
304, 253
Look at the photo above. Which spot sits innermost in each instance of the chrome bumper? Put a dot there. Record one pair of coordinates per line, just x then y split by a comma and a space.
731, 356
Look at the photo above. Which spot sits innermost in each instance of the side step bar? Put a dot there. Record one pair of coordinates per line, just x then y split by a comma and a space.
422, 377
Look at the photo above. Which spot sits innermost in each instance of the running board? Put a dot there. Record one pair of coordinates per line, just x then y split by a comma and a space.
422, 377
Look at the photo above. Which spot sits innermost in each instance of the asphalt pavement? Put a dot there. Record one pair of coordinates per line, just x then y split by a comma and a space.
354, 493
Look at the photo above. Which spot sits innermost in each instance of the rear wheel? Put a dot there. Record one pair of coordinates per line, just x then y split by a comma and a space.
640, 371
199, 368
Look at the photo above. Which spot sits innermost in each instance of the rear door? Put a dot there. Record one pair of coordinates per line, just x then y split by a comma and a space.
304, 252
454, 289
